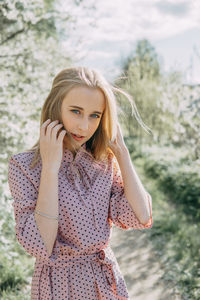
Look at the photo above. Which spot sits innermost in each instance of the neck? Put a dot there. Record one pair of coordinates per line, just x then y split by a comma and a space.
70, 148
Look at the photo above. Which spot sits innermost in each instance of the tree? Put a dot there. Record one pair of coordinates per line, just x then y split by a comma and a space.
142, 81
30, 56
166, 105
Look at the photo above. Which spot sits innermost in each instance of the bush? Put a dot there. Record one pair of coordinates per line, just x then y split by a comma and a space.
180, 181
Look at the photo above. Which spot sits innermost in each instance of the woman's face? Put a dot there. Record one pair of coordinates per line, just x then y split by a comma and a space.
81, 112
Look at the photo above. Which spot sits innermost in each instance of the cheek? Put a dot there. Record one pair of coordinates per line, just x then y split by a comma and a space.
95, 126
67, 122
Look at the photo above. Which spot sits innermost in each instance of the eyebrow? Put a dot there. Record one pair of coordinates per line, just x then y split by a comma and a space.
96, 112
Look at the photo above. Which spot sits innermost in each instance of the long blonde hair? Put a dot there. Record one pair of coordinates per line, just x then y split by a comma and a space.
70, 78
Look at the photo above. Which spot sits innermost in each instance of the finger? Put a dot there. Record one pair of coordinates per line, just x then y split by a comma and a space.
61, 136
43, 127
45, 122
55, 130
49, 128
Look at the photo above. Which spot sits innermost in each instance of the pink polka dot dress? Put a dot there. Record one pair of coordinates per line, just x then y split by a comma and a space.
91, 196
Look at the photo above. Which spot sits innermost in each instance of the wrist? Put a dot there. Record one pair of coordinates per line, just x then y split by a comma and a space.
121, 152
49, 170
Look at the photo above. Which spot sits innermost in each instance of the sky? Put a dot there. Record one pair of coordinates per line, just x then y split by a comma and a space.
106, 32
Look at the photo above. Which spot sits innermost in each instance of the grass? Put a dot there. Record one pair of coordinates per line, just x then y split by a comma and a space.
15, 276
175, 241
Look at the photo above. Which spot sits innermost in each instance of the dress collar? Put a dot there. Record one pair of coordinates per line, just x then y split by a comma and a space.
82, 156
68, 155
83, 168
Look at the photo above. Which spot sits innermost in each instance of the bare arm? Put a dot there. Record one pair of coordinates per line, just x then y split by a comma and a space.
51, 149
47, 203
133, 187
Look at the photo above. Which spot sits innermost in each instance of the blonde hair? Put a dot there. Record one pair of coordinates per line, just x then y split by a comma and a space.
107, 130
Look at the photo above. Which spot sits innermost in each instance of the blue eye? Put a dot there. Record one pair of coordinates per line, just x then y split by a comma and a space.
74, 110
97, 116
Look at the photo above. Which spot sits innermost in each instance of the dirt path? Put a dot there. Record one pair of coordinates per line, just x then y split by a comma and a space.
139, 266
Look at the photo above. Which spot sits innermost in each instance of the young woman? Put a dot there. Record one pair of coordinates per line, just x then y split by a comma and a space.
72, 186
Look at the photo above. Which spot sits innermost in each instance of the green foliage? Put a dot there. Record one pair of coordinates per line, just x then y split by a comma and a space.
142, 77
170, 160
181, 182
145, 61
155, 168
30, 57
10, 276
167, 105
174, 232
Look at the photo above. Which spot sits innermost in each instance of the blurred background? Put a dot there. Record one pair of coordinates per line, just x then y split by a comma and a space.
152, 50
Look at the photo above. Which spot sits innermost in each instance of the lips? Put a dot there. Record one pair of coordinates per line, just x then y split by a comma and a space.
79, 136
76, 137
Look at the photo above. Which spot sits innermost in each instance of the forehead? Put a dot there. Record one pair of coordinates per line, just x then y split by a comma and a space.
85, 97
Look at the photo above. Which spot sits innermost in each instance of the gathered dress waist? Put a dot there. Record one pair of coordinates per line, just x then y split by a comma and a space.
104, 257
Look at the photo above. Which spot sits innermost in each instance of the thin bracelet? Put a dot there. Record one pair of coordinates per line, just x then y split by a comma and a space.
42, 214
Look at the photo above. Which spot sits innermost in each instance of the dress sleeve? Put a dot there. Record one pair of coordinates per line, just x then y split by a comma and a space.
25, 196
120, 211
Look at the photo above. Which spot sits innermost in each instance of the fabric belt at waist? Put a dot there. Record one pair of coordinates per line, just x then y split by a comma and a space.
104, 257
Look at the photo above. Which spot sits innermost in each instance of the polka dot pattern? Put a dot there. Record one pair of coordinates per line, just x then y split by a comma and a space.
91, 199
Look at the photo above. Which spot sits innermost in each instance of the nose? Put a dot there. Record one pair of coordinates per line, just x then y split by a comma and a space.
83, 125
